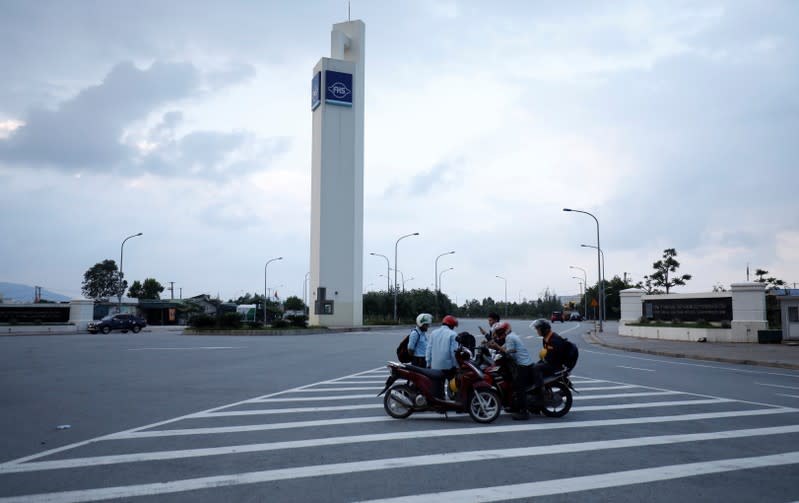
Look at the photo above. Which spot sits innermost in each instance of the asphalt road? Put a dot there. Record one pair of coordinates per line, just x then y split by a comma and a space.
163, 417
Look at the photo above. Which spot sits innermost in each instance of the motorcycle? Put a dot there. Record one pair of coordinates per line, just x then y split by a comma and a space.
423, 390
557, 394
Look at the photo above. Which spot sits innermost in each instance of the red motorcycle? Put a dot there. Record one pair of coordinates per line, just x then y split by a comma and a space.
557, 396
423, 390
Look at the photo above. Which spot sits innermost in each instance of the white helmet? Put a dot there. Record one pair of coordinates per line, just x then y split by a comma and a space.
424, 319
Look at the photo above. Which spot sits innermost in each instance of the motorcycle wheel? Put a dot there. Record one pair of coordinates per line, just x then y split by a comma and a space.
485, 405
394, 407
558, 400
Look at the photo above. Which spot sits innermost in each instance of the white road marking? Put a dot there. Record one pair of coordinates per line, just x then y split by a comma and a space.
308, 398
378, 437
634, 368
617, 478
301, 410
790, 396
187, 348
602, 388
600, 481
621, 354
776, 385
155, 425
629, 395
355, 388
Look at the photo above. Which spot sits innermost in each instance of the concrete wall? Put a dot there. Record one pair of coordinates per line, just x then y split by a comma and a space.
748, 313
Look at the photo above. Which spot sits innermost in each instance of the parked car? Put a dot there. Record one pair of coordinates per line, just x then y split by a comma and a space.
575, 316
556, 316
122, 322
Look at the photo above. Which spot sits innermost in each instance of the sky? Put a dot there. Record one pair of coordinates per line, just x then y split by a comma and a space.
676, 124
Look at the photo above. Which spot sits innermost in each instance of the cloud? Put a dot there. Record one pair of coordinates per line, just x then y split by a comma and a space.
85, 132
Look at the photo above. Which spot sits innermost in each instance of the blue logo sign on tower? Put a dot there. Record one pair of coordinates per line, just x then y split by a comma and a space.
316, 90
339, 88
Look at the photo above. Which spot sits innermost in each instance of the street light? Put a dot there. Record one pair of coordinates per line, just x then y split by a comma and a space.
121, 250
506, 295
580, 282
442, 273
265, 297
403, 279
585, 282
600, 288
436, 275
604, 300
388, 268
395, 269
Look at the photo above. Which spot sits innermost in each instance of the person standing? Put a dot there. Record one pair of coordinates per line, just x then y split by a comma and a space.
493, 321
417, 341
511, 345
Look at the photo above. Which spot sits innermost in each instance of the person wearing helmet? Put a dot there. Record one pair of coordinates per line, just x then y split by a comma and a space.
441, 348
511, 345
493, 321
417, 341
554, 354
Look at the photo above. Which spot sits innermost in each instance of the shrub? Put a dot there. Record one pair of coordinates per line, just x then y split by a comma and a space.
255, 325
643, 320
279, 323
726, 324
676, 321
230, 320
201, 321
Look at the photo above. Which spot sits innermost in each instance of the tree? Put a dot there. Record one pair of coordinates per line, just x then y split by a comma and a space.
770, 282
151, 289
103, 281
294, 303
663, 267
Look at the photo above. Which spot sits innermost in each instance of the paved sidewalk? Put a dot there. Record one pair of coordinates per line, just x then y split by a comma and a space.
785, 355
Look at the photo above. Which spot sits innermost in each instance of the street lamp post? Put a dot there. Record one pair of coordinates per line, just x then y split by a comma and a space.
604, 299
585, 282
442, 273
121, 250
403, 279
388, 268
506, 294
600, 288
396, 285
436, 275
580, 282
265, 294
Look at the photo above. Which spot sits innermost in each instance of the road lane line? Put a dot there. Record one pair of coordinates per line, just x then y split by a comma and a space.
309, 398
377, 437
154, 425
599, 481
617, 478
628, 395
634, 368
621, 354
776, 385
285, 411
354, 388
602, 388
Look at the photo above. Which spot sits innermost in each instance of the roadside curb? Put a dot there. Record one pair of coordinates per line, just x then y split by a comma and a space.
592, 338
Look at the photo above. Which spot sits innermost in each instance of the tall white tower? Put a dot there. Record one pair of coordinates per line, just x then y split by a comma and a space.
337, 98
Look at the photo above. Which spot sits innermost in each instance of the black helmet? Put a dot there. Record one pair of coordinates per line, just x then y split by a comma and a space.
542, 324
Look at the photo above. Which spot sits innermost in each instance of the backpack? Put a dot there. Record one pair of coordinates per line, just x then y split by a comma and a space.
570, 360
403, 355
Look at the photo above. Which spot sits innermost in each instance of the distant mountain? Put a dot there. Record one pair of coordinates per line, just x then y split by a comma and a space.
25, 293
